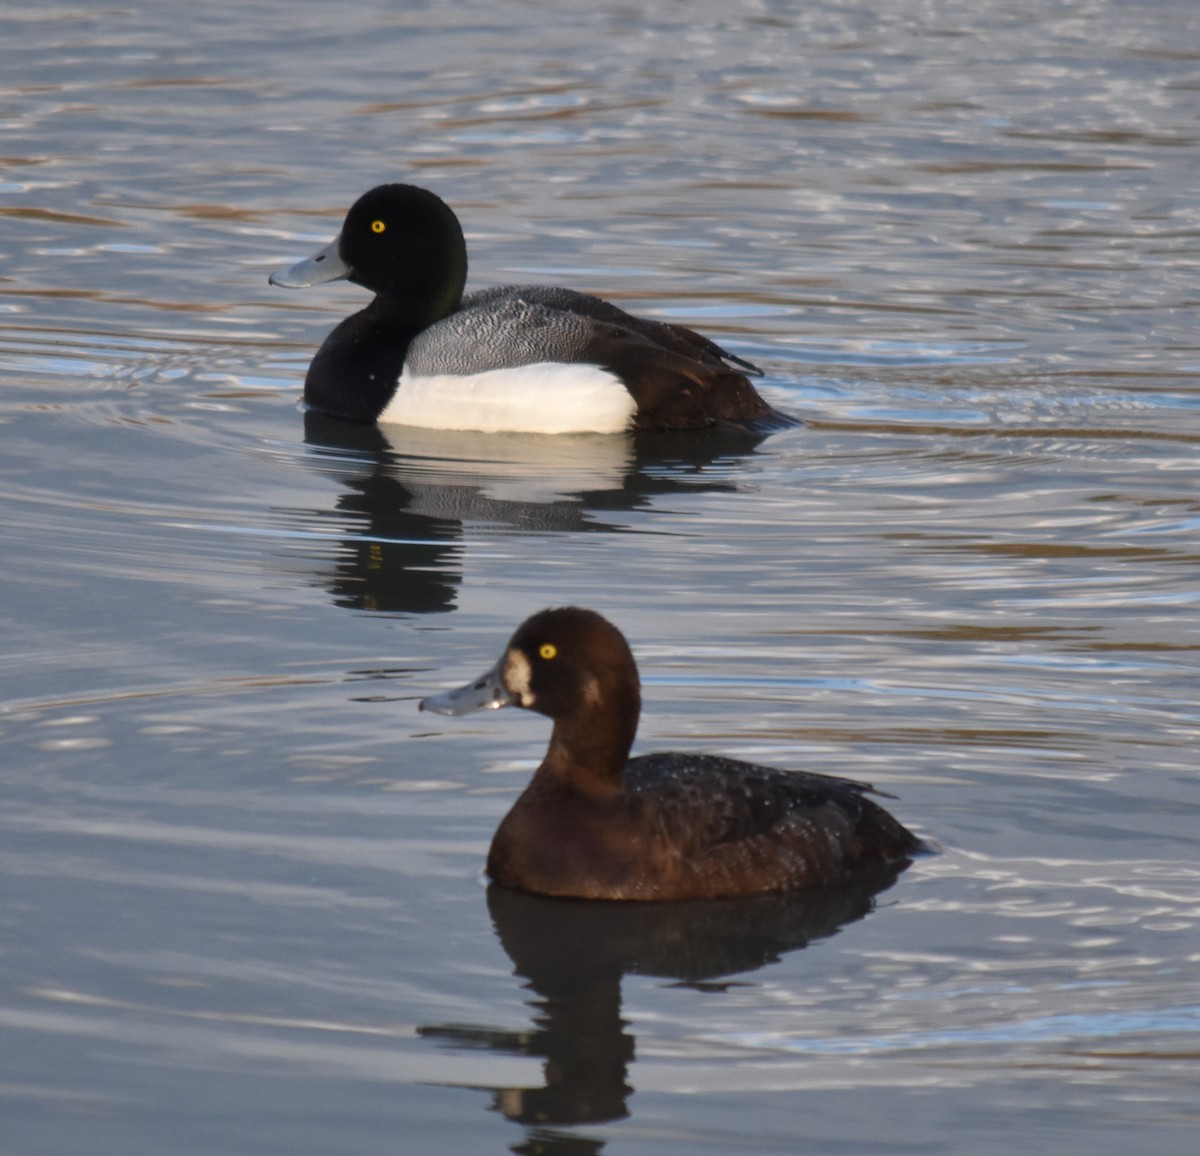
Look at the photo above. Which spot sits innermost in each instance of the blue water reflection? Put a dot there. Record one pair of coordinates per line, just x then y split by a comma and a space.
241, 873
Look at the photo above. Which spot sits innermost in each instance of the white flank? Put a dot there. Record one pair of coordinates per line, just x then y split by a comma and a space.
548, 397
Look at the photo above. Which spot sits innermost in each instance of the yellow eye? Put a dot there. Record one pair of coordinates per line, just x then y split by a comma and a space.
548, 650
378, 226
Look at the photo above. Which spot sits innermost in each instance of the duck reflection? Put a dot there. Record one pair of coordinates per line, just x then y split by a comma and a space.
394, 539
574, 954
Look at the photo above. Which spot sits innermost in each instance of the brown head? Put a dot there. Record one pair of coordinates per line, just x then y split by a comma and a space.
575, 667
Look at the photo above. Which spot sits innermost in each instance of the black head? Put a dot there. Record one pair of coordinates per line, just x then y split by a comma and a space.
401, 242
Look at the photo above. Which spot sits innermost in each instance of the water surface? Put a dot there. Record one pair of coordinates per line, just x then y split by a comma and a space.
242, 903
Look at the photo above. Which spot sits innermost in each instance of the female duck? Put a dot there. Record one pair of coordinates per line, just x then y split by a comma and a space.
530, 358
596, 824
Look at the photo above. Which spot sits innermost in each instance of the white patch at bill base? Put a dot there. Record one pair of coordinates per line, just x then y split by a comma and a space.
517, 676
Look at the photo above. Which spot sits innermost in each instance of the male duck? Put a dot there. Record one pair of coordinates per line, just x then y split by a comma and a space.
423, 354
596, 824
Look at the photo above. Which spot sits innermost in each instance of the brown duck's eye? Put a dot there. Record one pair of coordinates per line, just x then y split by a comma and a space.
548, 650
378, 226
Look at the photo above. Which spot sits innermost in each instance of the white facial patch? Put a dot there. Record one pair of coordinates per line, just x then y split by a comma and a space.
549, 397
592, 694
517, 675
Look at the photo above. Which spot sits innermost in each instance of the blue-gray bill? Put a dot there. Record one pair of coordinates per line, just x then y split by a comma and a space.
487, 692
327, 265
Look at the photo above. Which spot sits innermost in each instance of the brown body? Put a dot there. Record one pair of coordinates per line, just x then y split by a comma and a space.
692, 827
595, 824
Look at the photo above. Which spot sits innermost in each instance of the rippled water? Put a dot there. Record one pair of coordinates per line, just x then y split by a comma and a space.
241, 899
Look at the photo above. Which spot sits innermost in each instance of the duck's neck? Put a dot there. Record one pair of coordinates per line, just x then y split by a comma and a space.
354, 373
589, 750
419, 303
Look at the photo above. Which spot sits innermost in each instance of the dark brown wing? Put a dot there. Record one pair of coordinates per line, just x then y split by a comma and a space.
733, 817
